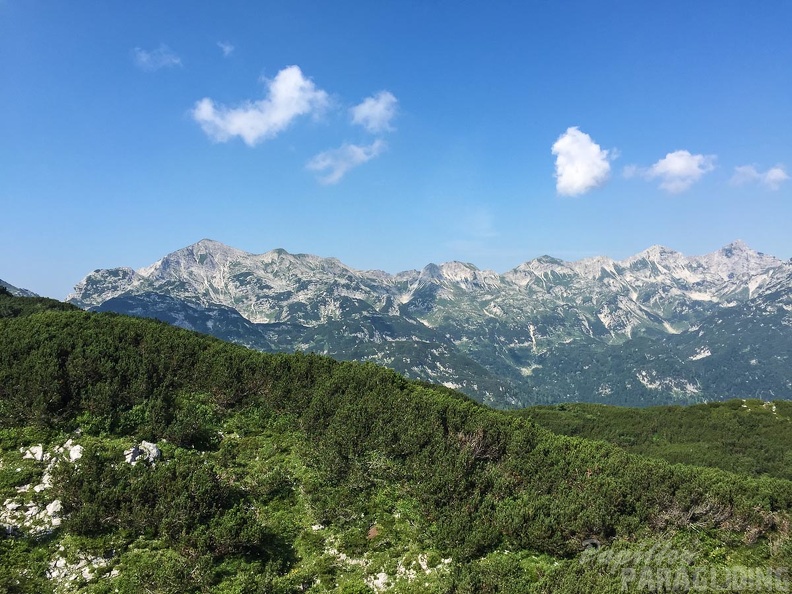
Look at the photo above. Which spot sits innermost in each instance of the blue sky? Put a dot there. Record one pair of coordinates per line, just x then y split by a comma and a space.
389, 134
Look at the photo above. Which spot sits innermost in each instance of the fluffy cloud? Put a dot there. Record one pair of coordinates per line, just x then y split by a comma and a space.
375, 113
337, 162
772, 178
226, 48
289, 95
581, 165
678, 171
150, 60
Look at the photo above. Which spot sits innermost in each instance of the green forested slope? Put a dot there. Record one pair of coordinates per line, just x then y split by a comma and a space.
745, 436
290, 473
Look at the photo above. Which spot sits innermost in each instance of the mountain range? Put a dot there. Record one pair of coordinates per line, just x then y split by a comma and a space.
658, 327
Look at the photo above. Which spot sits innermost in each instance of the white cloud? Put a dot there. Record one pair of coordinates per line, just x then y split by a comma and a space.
772, 178
289, 95
337, 162
150, 60
226, 48
679, 170
581, 165
375, 113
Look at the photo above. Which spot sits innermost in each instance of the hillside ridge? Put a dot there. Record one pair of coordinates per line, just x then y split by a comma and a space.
280, 473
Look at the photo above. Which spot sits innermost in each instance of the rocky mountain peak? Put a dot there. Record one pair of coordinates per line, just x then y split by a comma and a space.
593, 268
431, 272
656, 253
101, 285
736, 261
526, 271
462, 272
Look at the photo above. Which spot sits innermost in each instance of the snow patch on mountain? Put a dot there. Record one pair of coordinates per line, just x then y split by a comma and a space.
701, 353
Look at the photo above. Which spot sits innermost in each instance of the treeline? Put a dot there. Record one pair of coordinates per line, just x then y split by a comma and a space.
370, 440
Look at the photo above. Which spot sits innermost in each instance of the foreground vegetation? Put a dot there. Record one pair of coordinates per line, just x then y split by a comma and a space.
293, 473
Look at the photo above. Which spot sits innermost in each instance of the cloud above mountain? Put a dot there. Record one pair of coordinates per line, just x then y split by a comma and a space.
289, 95
581, 164
376, 112
771, 179
677, 171
335, 163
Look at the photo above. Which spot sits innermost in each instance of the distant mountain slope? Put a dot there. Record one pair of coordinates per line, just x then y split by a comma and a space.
635, 331
15, 291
